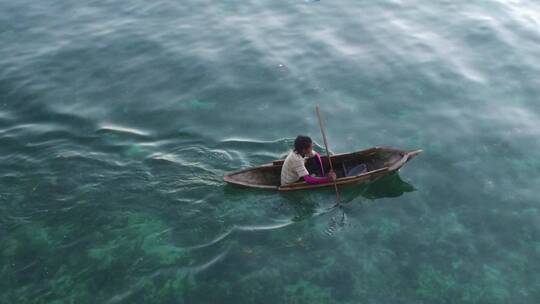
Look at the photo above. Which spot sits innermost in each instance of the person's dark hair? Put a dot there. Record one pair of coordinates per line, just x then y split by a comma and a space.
301, 142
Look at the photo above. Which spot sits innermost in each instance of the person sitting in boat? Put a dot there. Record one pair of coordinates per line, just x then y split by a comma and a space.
296, 167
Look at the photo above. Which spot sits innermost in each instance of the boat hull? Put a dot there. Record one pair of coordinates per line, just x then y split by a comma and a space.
377, 162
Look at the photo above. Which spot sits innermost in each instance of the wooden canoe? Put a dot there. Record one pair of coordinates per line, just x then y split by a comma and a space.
351, 168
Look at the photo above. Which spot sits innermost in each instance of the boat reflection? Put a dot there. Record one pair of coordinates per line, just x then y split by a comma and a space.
309, 203
387, 186
306, 204
390, 185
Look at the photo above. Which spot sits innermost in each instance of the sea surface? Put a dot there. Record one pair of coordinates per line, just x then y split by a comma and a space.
118, 120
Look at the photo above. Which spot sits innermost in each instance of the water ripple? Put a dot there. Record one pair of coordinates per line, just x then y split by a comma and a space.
119, 119
123, 130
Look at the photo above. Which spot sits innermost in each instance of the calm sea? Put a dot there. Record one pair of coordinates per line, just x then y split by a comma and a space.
118, 120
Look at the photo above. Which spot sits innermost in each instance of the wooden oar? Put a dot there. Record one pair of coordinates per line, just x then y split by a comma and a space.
327, 151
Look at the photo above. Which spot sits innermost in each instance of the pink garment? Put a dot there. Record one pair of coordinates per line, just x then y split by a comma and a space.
320, 162
316, 180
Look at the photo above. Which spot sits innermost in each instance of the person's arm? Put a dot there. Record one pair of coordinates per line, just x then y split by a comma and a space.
303, 172
316, 180
320, 180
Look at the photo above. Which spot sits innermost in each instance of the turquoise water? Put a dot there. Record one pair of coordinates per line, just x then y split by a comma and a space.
118, 120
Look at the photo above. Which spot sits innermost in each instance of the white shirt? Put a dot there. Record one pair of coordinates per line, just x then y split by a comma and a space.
293, 168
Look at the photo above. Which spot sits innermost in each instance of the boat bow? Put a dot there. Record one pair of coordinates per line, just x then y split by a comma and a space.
406, 157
